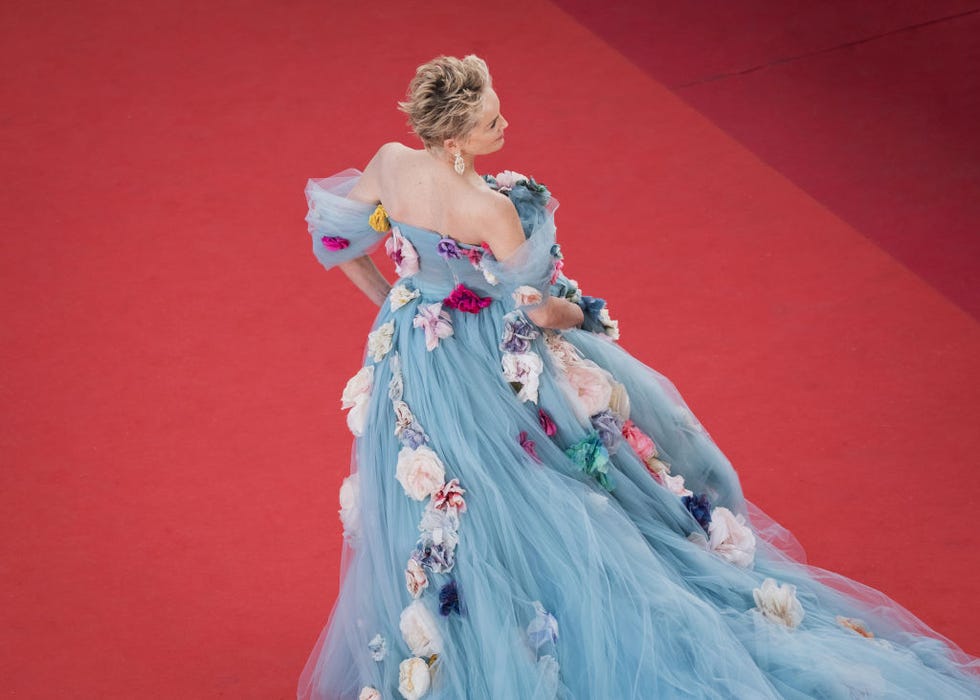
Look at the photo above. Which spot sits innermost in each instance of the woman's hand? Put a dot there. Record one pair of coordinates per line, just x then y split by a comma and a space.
557, 313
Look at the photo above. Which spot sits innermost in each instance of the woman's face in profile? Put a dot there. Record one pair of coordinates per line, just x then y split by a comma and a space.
488, 134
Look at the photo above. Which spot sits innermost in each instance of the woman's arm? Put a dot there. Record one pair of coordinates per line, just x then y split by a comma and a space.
365, 275
505, 235
362, 271
557, 313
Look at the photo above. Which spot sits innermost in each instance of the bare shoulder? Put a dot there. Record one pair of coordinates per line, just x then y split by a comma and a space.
369, 186
497, 219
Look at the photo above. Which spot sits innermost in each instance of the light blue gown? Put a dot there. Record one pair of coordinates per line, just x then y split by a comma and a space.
537, 515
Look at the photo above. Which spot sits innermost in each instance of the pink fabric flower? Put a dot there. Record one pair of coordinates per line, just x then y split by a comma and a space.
525, 295
641, 443
450, 496
402, 253
547, 424
591, 385
528, 446
475, 255
415, 579
434, 320
507, 179
334, 242
419, 471
559, 264
467, 300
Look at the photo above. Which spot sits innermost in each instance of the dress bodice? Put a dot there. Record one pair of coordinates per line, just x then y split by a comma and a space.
444, 263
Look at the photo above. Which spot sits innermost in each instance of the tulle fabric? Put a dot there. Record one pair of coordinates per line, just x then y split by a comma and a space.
569, 588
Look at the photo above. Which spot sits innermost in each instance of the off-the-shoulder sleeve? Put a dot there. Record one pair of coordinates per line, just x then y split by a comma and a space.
340, 227
525, 276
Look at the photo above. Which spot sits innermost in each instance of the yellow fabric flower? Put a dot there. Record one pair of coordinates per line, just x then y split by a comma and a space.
379, 220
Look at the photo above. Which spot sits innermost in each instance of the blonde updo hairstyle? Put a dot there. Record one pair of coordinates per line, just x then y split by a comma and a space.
445, 97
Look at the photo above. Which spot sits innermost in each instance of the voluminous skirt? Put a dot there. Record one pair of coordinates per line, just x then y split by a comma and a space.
537, 514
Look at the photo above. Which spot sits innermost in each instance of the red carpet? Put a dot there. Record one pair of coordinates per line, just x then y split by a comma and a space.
172, 442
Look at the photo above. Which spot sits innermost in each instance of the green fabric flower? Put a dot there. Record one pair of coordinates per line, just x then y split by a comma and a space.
592, 457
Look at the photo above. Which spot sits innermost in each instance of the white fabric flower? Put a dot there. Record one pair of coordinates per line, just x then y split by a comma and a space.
395, 385
378, 647
413, 678
440, 526
401, 295
610, 325
657, 467
619, 401
356, 397
488, 275
420, 471
350, 511
548, 674
379, 340
591, 385
778, 603
415, 579
403, 416
524, 368
526, 295
674, 484
563, 353
369, 693
419, 629
730, 538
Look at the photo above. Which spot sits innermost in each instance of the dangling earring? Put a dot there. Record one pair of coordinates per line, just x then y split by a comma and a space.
459, 165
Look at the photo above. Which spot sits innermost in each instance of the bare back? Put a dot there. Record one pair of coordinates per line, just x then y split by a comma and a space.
416, 190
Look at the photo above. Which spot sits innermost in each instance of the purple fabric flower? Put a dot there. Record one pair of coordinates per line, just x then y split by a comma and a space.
449, 599
700, 508
518, 333
448, 249
528, 446
547, 424
334, 242
610, 428
413, 436
435, 557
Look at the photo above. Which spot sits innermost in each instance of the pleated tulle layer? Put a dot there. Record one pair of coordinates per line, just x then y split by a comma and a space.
566, 562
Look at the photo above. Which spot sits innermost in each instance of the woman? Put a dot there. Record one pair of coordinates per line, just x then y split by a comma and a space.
534, 513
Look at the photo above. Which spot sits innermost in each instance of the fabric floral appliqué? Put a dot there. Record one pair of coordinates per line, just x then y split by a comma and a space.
435, 321
419, 471
731, 538
335, 242
378, 647
592, 457
350, 512
523, 369
401, 295
414, 678
465, 299
379, 220
402, 253
379, 340
356, 397
778, 603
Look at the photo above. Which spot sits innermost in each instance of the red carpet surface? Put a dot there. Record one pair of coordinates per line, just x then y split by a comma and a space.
173, 356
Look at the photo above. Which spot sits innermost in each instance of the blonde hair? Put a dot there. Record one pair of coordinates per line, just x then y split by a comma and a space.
444, 98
